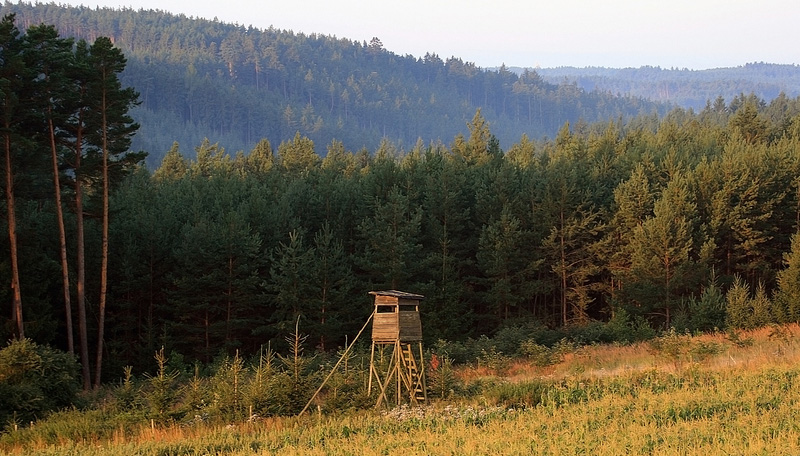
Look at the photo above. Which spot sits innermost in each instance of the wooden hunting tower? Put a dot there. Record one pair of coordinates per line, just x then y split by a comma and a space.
396, 325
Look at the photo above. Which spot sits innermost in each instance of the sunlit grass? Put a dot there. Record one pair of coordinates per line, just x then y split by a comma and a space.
714, 394
769, 346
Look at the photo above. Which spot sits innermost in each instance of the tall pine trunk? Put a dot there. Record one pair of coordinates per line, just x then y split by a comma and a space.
110, 119
104, 259
62, 238
563, 270
12, 238
12, 79
81, 286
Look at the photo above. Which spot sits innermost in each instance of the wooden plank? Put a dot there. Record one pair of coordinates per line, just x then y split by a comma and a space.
397, 294
385, 327
410, 326
385, 301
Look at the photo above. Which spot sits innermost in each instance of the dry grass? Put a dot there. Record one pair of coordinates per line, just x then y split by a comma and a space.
772, 346
713, 394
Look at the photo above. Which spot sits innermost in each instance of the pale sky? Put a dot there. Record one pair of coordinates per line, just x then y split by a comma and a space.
695, 34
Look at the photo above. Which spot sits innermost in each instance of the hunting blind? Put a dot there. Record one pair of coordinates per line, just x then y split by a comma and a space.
397, 342
397, 332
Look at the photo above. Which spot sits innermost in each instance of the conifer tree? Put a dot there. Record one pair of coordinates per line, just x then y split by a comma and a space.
77, 129
297, 157
173, 165
216, 284
738, 309
112, 129
332, 282
51, 55
574, 227
573, 247
762, 308
446, 230
260, 160
661, 263
290, 281
788, 296
391, 241
503, 260
633, 204
13, 78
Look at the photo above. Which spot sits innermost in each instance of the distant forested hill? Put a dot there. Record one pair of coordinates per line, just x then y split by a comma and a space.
236, 85
685, 88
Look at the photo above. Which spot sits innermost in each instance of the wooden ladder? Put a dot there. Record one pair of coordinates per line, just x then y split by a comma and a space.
416, 386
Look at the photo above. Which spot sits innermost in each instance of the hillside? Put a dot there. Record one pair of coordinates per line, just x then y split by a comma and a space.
236, 85
682, 87
611, 231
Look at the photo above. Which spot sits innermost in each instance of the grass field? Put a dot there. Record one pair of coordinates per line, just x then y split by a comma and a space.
709, 395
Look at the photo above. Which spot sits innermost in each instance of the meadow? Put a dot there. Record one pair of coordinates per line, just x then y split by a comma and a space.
734, 393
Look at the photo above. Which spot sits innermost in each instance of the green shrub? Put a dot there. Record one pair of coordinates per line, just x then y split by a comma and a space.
517, 395
442, 380
539, 355
126, 395
162, 393
708, 312
739, 309
624, 328
700, 351
672, 345
34, 380
593, 332
455, 351
494, 360
735, 337
345, 391
227, 388
679, 347
195, 398
509, 339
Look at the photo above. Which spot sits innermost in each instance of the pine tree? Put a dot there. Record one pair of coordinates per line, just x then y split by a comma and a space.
762, 308
747, 199
51, 56
477, 149
77, 129
173, 165
391, 237
448, 243
574, 227
297, 157
573, 247
739, 309
504, 262
748, 124
260, 160
788, 296
13, 78
217, 286
332, 282
633, 204
661, 263
290, 282
112, 131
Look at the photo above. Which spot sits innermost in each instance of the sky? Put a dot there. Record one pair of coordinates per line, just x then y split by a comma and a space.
693, 34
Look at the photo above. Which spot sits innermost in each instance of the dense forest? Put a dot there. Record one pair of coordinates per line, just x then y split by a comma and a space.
235, 85
686, 221
682, 87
